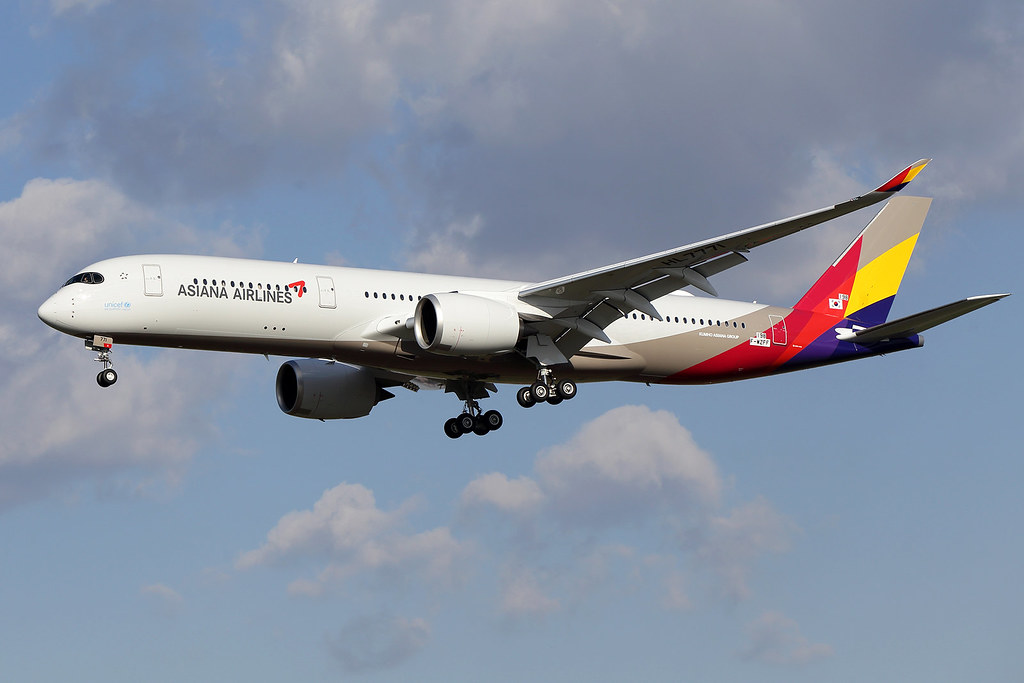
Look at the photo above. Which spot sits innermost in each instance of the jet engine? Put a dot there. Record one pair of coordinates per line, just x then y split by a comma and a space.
465, 325
323, 390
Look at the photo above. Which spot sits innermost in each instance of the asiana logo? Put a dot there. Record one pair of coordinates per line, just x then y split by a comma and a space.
280, 296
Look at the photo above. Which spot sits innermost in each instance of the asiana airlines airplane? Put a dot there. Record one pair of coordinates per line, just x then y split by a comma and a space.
358, 333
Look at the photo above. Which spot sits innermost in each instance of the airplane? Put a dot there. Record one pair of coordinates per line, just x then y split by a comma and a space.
356, 333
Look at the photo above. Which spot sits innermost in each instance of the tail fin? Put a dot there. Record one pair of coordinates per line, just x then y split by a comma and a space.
862, 283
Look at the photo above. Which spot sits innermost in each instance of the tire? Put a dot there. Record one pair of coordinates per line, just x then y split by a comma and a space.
525, 397
540, 391
554, 400
106, 377
451, 429
466, 423
493, 420
565, 389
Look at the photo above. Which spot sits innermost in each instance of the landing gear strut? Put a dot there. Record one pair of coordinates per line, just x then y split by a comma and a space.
472, 419
102, 346
546, 389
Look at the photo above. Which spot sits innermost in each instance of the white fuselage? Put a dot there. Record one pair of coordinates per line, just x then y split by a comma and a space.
360, 316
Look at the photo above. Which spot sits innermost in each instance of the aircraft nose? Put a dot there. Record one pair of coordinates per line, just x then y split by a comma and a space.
49, 312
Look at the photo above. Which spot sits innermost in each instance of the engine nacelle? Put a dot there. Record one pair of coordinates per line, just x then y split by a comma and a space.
327, 391
465, 325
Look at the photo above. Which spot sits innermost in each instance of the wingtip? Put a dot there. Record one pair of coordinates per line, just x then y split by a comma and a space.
903, 178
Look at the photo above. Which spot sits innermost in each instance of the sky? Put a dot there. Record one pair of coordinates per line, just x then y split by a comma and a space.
848, 523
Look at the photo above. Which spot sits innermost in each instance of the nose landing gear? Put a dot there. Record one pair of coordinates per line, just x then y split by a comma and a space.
102, 346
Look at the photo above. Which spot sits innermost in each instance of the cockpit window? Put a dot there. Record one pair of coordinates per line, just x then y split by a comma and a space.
85, 279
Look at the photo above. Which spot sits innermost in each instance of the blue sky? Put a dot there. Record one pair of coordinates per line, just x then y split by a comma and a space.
847, 523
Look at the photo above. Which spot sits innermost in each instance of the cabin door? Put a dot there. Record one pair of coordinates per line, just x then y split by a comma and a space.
778, 329
154, 285
328, 298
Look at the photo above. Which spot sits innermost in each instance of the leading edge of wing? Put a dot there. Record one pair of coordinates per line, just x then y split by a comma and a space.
634, 272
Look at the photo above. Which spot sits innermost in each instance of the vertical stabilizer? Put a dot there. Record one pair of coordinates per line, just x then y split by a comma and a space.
863, 282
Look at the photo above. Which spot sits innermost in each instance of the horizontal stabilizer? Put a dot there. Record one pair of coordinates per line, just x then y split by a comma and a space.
917, 323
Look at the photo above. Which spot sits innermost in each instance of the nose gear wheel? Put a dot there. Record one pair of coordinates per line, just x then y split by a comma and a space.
103, 346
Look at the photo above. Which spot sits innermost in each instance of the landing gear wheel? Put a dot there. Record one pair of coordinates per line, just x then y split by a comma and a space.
493, 420
565, 389
540, 391
466, 423
106, 377
480, 427
554, 399
525, 397
452, 429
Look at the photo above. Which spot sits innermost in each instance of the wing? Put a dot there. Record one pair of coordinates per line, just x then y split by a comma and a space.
582, 305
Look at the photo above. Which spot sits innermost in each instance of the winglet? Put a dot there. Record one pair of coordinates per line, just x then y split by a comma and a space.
903, 178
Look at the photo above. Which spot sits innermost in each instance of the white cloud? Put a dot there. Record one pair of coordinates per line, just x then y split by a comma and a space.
628, 463
521, 495
372, 643
60, 429
731, 544
522, 596
344, 518
776, 639
354, 538
53, 227
632, 468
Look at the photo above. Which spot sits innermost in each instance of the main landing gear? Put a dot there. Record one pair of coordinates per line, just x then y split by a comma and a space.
546, 390
472, 419
102, 346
